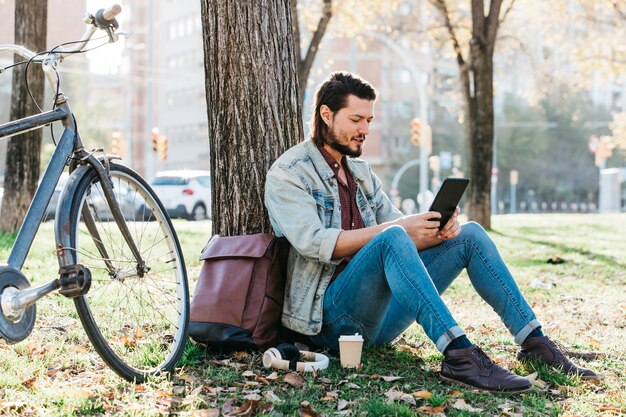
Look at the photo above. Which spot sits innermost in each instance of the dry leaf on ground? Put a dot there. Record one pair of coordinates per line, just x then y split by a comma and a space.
295, 380
271, 397
461, 404
306, 410
394, 395
342, 404
207, 412
422, 394
426, 409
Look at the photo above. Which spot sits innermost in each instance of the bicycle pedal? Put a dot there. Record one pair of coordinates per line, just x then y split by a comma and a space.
75, 280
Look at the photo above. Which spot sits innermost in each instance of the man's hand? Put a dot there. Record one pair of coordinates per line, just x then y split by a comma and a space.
420, 226
452, 229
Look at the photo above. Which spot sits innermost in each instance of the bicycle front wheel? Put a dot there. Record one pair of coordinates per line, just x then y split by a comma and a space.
135, 317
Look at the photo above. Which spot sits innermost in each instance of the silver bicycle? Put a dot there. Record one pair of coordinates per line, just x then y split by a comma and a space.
119, 256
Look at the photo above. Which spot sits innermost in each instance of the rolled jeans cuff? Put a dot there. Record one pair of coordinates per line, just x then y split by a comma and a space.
526, 330
450, 334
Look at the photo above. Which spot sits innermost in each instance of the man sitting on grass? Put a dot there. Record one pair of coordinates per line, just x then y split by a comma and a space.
357, 265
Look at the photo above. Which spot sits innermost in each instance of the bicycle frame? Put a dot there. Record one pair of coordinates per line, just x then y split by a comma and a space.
37, 209
69, 145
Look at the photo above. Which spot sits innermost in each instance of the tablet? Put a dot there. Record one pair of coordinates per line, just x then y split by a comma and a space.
448, 198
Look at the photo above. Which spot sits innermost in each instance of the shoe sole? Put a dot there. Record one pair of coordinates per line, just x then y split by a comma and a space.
535, 361
466, 385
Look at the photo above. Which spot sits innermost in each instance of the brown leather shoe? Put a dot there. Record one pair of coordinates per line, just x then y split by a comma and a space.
472, 367
542, 349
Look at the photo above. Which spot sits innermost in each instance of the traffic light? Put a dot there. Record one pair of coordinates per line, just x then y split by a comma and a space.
605, 150
416, 131
155, 138
162, 147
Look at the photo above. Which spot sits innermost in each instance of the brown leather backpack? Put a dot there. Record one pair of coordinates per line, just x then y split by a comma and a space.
238, 299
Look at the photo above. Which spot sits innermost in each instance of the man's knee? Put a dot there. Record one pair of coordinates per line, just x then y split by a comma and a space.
395, 234
473, 229
474, 232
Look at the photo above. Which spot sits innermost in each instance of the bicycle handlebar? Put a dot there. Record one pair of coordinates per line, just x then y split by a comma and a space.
111, 12
103, 19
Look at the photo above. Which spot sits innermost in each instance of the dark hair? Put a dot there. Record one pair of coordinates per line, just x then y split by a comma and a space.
334, 92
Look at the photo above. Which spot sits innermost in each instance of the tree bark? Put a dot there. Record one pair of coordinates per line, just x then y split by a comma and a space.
306, 63
254, 112
24, 151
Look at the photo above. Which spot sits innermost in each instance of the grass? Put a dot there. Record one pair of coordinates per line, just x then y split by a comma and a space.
56, 372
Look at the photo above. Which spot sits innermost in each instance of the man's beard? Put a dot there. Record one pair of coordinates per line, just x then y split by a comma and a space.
333, 142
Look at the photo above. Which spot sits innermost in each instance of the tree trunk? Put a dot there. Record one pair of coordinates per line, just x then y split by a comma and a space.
479, 99
476, 76
480, 136
24, 151
254, 113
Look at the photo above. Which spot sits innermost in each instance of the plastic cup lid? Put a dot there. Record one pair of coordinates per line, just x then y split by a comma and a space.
351, 338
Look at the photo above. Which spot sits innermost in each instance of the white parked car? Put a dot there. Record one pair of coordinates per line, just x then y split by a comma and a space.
185, 193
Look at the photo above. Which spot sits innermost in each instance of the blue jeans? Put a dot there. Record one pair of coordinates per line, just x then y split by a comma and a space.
388, 285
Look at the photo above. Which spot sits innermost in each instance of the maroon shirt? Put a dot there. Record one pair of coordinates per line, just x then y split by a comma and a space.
350, 215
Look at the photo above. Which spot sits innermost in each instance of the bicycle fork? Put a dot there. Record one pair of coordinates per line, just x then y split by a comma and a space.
118, 216
75, 279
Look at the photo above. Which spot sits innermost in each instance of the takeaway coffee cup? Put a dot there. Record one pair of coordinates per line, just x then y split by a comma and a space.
350, 347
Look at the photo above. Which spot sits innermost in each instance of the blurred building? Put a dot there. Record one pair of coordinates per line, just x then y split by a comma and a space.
65, 23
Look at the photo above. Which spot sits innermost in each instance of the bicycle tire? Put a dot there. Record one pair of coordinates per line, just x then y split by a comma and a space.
137, 324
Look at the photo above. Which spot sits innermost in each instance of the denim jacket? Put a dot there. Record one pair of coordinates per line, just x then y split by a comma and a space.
302, 198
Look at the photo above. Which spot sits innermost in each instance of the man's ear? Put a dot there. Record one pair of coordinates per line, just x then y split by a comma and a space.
326, 113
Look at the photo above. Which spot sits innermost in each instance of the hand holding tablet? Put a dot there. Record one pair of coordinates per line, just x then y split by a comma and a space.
448, 198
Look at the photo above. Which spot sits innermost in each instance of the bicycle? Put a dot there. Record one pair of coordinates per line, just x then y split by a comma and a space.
119, 256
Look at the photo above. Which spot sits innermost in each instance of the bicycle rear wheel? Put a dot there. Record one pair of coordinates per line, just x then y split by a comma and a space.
136, 321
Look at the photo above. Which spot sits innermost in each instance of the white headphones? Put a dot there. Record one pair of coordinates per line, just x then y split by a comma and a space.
273, 358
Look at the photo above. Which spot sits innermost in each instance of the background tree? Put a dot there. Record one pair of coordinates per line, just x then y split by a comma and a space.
312, 18
254, 113
306, 62
475, 61
24, 151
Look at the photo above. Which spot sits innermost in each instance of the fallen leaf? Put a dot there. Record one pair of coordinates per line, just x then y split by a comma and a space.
394, 394
272, 377
248, 374
306, 410
189, 379
422, 394
391, 378
162, 393
12, 405
207, 412
228, 406
31, 383
253, 397
54, 369
246, 409
81, 349
239, 356
271, 397
432, 410
454, 393
140, 388
352, 385
295, 380
263, 380
333, 394
342, 404
461, 404
325, 381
